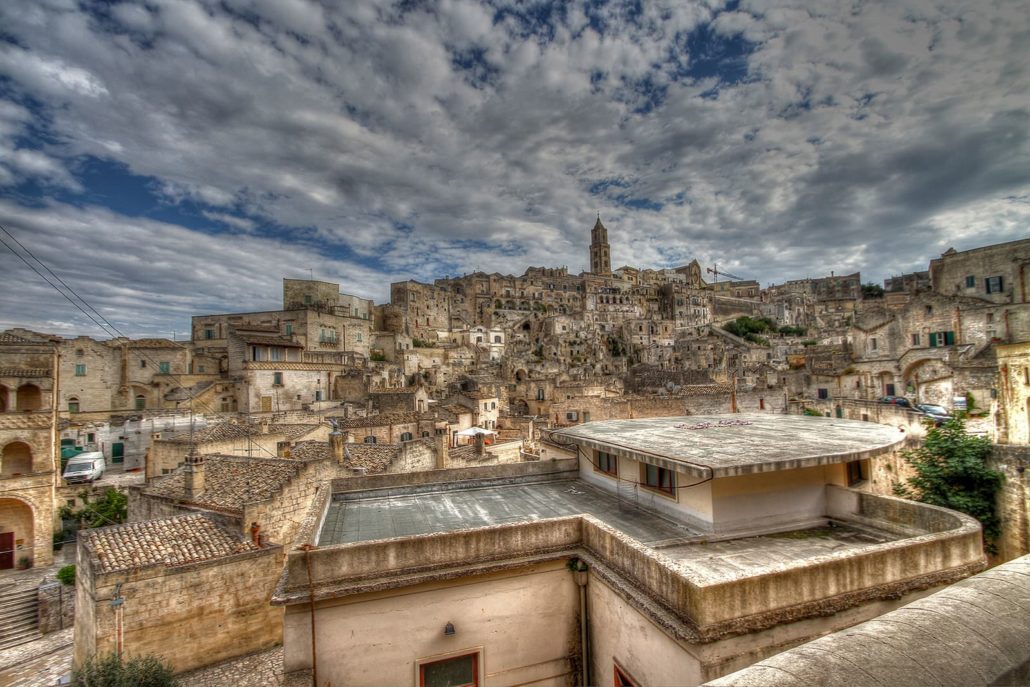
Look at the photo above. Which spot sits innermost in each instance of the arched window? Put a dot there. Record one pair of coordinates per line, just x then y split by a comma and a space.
73, 404
141, 402
406, 436
370, 440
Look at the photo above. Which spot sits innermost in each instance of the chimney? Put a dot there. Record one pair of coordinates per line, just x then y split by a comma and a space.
441, 449
336, 441
255, 534
480, 444
194, 474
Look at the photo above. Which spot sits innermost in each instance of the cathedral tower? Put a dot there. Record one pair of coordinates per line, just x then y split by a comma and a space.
600, 251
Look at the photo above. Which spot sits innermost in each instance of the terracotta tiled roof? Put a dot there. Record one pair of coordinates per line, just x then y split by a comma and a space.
153, 343
380, 420
311, 450
468, 452
399, 390
375, 458
230, 482
227, 431
270, 341
24, 372
170, 542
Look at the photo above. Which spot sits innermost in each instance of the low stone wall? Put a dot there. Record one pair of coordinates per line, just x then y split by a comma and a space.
56, 609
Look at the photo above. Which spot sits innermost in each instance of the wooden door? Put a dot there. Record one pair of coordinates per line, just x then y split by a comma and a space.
6, 550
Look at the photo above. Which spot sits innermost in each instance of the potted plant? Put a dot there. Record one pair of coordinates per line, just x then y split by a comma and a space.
24, 563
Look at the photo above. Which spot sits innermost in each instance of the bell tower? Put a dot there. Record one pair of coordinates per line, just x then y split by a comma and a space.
600, 251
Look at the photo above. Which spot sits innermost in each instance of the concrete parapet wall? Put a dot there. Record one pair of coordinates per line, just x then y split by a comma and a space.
556, 468
371, 563
972, 633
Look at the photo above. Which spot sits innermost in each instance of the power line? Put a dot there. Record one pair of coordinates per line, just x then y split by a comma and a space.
117, 333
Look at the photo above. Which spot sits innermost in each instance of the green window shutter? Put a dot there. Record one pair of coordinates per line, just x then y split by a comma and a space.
949, 338
165, 368
933, 339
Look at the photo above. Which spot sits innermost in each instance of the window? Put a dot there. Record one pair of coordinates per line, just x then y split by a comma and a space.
209, 333
889, 389
970, 281
141, 402
142, 364
659, 479
823, 394
493, 405
572, 415
994, 284
915, 339
872, 344
165, 368
289, 329
425, 434
370, 440
274, 353
942, 339
586, 416
990, 317
307, 299
855, 473
460, 671
607, 463
73, 405
357, 337
277, 379
318, 394
80, 370
406, 436
90, 437
497, 339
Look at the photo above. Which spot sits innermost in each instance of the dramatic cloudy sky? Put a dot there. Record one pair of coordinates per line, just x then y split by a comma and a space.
171, 157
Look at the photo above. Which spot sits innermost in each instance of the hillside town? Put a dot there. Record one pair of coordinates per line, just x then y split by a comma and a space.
665, 475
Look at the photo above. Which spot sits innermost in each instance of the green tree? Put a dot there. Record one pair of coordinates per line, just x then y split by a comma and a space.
951, 471
872, 290
109, 671
110, 508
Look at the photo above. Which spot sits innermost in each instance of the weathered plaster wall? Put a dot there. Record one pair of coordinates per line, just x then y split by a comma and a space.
524, 620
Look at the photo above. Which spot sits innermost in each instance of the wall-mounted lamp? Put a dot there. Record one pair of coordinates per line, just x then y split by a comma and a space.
448, 629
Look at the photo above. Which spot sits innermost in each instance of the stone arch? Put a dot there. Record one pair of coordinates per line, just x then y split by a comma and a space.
521, 375
29, 397
16, 459
18, 522
4, 391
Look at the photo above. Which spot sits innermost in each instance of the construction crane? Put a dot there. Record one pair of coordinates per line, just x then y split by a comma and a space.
716, 272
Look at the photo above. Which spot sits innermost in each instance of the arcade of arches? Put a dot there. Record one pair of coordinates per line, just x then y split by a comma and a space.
25, 397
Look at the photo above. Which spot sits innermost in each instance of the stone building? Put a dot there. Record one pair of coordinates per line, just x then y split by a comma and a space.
182, 588
600, 251
999, 273
29, 368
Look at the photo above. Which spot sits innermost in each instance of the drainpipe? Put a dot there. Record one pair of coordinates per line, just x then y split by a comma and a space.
311, 603
581, 571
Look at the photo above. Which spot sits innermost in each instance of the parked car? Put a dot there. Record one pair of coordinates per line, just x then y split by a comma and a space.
85, 467
897, 400
939, 414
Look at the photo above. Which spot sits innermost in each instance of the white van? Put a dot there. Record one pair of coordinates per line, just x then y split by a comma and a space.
85, 467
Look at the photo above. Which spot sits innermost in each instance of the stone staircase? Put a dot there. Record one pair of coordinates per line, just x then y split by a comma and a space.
19, 621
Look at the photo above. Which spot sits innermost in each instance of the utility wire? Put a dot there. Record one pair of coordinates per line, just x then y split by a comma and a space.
109, 328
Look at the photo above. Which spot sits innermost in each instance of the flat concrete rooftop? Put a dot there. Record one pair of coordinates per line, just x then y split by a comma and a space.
736, 444
722, 561
425, 512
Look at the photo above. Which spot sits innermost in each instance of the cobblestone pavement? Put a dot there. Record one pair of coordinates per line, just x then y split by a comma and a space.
253, 670
39, 663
